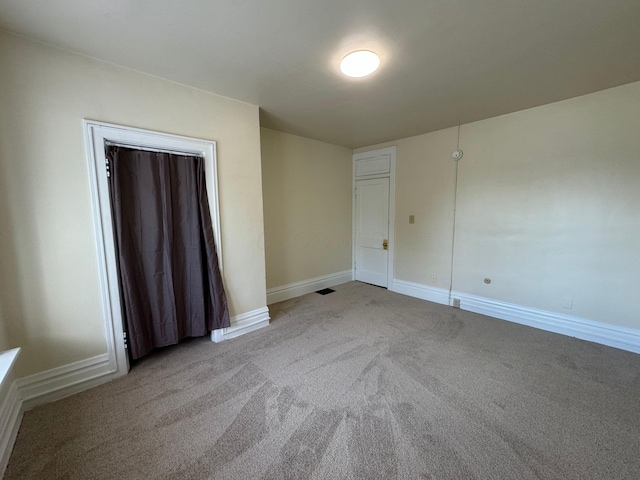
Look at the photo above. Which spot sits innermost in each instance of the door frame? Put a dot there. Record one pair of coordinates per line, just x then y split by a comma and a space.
95, 135
391, 174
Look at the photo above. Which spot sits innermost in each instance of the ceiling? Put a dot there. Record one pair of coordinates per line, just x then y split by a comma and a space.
444, 62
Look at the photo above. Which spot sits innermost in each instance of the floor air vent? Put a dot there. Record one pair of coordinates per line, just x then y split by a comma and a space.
325, 291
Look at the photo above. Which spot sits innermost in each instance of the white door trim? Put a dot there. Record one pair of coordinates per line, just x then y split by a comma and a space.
95, 134
391, 174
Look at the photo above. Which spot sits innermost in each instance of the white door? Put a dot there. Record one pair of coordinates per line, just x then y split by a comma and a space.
372, 231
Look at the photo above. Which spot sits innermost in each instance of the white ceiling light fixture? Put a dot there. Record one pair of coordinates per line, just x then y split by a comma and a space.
360, 63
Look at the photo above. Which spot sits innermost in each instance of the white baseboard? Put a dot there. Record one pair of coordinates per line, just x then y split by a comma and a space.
602, 333
292, 290
60, 382
418, 290
241, 324
605, 334
10, 419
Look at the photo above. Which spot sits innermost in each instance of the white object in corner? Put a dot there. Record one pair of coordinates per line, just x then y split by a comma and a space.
241, 324
10, 419
10, 407
418, 290
297, 289
604, 334
7, 360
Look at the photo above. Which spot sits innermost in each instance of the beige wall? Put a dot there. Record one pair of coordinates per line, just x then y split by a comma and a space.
547, 207
307, 207
49, 283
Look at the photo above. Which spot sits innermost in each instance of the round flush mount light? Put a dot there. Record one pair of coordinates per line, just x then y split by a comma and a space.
359, 63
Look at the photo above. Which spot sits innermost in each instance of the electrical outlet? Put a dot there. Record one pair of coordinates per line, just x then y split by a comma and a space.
434, 278
412, 219
456, 303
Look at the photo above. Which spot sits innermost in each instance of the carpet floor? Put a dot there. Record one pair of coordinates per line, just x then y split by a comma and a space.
361, 383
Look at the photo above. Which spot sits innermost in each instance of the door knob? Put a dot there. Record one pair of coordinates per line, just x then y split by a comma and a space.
385, 244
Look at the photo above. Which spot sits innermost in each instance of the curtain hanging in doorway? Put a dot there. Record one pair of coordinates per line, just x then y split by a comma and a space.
169, 274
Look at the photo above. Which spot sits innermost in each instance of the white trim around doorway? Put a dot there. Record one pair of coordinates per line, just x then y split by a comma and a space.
373, 170
96, 134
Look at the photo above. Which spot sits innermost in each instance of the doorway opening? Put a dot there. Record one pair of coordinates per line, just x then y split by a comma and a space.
373, 216
98, 135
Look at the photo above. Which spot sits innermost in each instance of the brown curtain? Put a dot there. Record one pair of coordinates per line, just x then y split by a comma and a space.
169, 274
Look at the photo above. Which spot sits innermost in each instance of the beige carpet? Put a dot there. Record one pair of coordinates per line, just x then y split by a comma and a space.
358, 384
